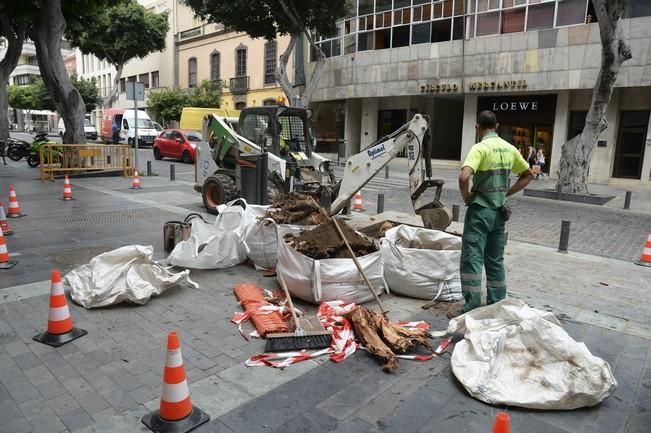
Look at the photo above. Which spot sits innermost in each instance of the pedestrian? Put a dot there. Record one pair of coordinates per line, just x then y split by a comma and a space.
540, 159
489, 163
531, 155
115, 132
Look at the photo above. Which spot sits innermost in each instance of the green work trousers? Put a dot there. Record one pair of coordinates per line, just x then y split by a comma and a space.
483, 245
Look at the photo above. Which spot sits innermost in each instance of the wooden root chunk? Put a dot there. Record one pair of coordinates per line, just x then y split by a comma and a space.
383, 338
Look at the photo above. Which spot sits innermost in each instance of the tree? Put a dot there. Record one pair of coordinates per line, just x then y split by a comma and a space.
270, 18
205, 95
26, 97
12, 29
118, 34
167, 103
576, 153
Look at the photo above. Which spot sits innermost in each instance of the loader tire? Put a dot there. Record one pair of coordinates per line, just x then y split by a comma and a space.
218, 189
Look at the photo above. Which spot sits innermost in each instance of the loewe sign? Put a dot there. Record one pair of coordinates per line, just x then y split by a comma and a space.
515, 106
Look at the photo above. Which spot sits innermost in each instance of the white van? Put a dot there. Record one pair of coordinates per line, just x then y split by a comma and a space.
89, 129
146, 130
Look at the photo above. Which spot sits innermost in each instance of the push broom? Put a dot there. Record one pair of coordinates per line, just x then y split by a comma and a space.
309, 332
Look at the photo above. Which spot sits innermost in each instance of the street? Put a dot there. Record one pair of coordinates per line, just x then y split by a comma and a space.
107, 380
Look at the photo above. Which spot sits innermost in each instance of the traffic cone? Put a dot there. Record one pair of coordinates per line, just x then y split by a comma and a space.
645, 257
502, 423
136, 180
14, 208
60, 329
67, 190
176, 413
357, 204
5, 263
4, 224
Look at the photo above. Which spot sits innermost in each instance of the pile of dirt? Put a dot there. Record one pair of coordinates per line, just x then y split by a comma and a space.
323, 242
295, 208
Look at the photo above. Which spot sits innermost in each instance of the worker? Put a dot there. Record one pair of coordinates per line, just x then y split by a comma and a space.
490, 163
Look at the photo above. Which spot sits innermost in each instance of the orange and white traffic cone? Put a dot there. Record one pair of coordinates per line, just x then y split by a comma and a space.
357, 204
136, 180
502, 423
176, 413
645, 257
4, 224
67, 190
60, 329
14, 208
5, 262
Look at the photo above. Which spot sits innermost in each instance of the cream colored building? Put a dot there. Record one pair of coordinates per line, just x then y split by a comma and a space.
244, 66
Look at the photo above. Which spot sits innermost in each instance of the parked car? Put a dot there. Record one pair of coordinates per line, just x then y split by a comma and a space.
89, 129
178, 144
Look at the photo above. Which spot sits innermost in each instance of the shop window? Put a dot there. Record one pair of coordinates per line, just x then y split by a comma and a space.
382, 39
420, 33
513, 20
192, 72
365, 7
571, 12
457, 28
365, 41
350, 44
400, 36
541, 16
488, 24
441, 30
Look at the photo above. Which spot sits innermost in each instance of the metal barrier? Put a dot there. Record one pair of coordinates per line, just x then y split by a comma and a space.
85, 158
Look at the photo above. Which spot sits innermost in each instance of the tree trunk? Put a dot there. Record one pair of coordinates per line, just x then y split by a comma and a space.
281, 70
114, 90
313, 81
46, 32
15, 35
576, 153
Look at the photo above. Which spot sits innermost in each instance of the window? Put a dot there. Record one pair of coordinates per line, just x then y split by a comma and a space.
240, 62
110, 84
123, 85
132, 79
513, 20
441, 30
400, 36
154, 79
270, 60
144, 78
488, 24
365, 7
541, 16
269, 101
240, 105
192, 72
420, 33
365, 41
571, 12
215, 65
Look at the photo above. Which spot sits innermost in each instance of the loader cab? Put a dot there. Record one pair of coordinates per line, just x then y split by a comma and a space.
277, 129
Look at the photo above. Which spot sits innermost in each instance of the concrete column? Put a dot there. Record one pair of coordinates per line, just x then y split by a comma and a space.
468, 135
561, 123
370, 108
353, 125
645, 179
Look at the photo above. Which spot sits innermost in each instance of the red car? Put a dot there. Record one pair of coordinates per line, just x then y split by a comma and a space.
178, 144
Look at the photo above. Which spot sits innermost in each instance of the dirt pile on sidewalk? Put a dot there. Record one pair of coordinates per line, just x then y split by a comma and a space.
323, 242
295, 208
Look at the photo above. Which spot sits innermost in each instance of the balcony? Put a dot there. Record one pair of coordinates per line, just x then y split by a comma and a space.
26, 69
239, 85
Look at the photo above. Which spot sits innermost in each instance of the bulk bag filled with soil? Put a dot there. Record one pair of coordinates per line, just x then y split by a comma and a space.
261, 242
316, 279
422, 263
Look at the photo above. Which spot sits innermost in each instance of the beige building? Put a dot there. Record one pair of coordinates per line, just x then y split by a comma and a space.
245, 67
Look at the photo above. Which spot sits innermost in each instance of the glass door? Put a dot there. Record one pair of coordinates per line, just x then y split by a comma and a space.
631, 139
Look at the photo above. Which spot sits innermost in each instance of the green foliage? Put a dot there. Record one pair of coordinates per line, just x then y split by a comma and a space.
119, 33
36, 97
25, 97
88, 90
268, 18
168, 103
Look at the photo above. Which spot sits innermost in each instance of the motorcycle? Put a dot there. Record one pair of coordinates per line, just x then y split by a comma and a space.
34, 157
17, 149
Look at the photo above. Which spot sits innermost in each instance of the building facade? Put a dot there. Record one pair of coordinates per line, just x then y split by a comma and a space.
244, 67
533, 62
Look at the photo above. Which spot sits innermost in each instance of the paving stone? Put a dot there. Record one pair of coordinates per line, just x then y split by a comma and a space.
92, 402
352, 425
16, 425
22, 391
9, 409
76, 420
313, 420
16, 348
34, 408
38, 375
47, 424
27, 361
102, 383
142, 394
62, 404
103, 414
639, 424
414, 412
214, 426
50, 389
120, 400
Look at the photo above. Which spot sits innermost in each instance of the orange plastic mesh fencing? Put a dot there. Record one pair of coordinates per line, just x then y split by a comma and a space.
252, 298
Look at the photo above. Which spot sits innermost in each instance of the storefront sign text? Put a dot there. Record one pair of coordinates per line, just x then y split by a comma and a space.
498, 85
515, 106
438, 88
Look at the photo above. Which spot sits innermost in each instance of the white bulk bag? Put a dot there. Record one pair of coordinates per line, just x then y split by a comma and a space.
261, 241
325, 280
215, 246
127, 274
515, 355
420, 272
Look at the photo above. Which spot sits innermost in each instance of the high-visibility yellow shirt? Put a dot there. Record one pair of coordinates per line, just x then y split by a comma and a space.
493, 160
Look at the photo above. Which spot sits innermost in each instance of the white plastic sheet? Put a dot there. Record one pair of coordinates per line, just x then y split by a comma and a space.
412, 268
516, 355
219, 245
326, 280
261, 241
127, 274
